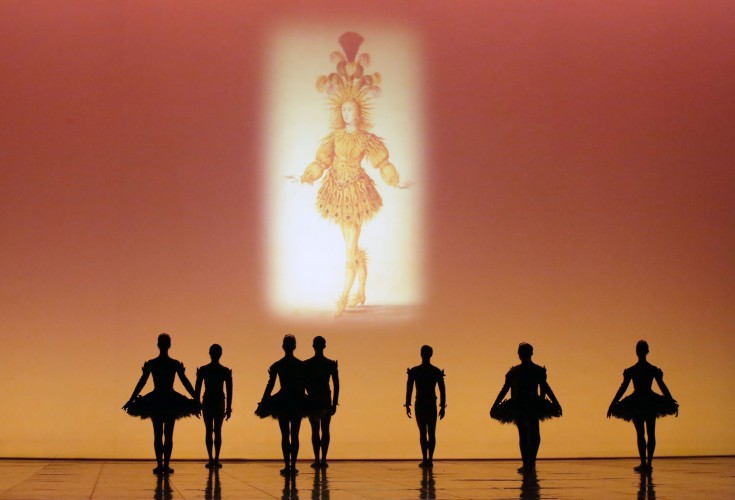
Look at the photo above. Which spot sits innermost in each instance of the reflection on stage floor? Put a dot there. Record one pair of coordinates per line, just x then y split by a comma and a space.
680, 478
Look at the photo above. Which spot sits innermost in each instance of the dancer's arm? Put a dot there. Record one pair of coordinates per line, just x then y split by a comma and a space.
185, 381
442, 396
324, 158
271, 383
228, 390
377, 154
198, 385
660, 381
139, 386
502, 393
619, 394
409, 391
335, 383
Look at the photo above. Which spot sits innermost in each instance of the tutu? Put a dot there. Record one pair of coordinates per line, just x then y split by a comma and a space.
644, 405
510, 410
163, 404
282, 404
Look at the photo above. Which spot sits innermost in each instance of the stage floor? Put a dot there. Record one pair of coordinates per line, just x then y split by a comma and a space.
555, 479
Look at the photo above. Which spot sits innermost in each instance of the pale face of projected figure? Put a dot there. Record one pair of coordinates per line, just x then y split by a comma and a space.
348, 195
349, 115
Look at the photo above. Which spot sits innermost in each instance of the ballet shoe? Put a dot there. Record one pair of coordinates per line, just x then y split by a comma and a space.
168, 470
315, 464
217, 464
341, 305
158, 470
324, 464
357, 299
208, 465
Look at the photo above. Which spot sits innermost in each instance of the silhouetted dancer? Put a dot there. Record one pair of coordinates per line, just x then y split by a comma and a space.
214, 410
526, 406
426, 377
163, 405
288, 405
643, 406
322, 405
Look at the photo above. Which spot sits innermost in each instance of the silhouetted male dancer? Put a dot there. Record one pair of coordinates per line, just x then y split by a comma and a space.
526, 406
164, 405
426, 377
644, 406
319, 370
288, 405
214, 411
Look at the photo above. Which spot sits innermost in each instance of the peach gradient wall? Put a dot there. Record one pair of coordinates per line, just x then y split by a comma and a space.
580, 197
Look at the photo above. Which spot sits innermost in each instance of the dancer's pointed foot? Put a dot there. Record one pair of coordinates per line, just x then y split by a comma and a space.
341, 305
217, 464
315, 464
423, 464
208, 465
521, 469
430, 463
285, 471
294, 471
158, 470
323, 464
168, 470
642, 468
357, 299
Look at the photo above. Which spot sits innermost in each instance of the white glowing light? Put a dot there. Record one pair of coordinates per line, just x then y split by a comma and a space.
306, 253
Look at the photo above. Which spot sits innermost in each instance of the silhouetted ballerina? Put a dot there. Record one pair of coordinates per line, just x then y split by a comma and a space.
163, 405
643, 406
215, 406
322, 405
288, 405
526, 406
426, 377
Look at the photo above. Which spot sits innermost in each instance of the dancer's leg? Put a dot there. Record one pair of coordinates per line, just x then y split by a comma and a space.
641, 441
326, 438
285, 444
158, 443
651, 431
168, 442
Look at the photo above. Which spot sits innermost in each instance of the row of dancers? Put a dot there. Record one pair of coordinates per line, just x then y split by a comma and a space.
306, 392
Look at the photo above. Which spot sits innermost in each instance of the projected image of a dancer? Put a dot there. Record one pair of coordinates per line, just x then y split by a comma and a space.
348, 195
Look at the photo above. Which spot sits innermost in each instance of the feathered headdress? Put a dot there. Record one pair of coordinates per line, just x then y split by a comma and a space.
350, 82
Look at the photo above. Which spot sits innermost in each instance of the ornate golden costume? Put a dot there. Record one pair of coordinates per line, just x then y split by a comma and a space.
347, 193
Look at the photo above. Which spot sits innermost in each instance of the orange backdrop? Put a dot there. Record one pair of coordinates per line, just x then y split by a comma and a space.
580, 197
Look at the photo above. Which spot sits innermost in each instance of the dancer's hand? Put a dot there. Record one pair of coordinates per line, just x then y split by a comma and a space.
127, 405
609, 412
408, 410
442, 410
333, 410
228, 413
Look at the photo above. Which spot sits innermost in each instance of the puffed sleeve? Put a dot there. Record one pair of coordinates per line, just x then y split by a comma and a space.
146, 368
324, 158
377, 155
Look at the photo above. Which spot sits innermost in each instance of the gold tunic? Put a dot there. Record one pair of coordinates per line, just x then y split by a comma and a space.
347, 193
